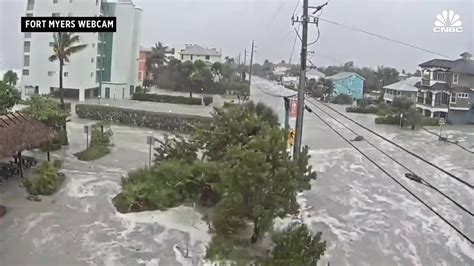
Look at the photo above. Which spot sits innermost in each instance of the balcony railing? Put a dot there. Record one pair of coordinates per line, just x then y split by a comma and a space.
425, 81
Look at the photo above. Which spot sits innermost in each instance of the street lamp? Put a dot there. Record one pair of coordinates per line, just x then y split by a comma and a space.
99, 99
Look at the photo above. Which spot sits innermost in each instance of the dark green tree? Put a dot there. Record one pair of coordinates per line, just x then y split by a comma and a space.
10, 77
8, 97
297, 245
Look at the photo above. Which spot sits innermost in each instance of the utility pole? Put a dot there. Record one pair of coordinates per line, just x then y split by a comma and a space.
251, 63
302, 83
239, 59
305, 20
245, 56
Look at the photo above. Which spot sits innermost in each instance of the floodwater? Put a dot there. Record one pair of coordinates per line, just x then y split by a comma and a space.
366, 218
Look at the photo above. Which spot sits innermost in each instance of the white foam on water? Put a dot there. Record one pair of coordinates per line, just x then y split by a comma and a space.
178, 218
152, 262
34, 220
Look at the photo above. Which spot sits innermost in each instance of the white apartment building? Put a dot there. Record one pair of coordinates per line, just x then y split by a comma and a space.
107, 67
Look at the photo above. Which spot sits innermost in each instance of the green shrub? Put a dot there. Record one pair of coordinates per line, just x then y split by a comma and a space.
228, 104
45, 182
342, 99
163, 121
93, 153
362, 110
58, 164
148, 97
101, 135
430, 121
389, 119
233, 87
207, 100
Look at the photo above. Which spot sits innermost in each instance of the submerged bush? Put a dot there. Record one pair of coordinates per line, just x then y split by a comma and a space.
45, 182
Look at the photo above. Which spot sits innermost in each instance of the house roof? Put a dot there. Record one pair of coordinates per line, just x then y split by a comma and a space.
20, 132
315, 73
437, 86
405, 85
199, 50
344, 75
463, 66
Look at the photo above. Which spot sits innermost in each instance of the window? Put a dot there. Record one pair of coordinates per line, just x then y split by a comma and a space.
455, 78
26, 72
399, 93
27, 34
96, 2
70, 1
26, 60
463, 95
66, 74
50, 73
92, 74
131, 90
439, 76
92, 60
55, 1
453, 97
349, 81
51, 44
29, 15
55, 14
182, 57
27, 47
107, 93
93, 45
208, 57
191, 57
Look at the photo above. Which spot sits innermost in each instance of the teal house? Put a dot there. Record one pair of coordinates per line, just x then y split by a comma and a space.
348, 83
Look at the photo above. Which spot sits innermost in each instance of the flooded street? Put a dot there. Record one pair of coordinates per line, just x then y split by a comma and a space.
366, 218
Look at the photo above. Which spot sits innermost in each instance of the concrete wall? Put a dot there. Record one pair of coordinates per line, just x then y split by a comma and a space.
465, 80
212, 58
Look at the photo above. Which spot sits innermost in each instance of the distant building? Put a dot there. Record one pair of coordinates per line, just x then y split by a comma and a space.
110, 59
193, 52
142, 67
314, 74
402, 76
290, 81
446, 89
404, 88
281, 69
348, 83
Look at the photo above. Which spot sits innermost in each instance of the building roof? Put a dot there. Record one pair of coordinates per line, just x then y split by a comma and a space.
315, 73
462, 65
199, 50
20, 132
344, 75
437, 86
405, 85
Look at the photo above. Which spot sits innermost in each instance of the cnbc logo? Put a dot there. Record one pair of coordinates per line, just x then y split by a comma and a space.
447, 21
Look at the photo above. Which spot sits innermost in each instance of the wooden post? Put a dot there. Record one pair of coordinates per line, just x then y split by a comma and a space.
20, 164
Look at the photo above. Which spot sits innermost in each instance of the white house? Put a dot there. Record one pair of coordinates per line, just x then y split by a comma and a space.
193, 52
404, 88
314, 74
107, 66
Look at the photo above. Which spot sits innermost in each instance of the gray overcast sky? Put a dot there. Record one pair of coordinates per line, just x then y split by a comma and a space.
232, 24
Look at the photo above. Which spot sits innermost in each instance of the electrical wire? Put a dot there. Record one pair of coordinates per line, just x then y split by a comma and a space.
294, 44
393, 178
398, 146
385, 38
424, 182
449, 141
275, 95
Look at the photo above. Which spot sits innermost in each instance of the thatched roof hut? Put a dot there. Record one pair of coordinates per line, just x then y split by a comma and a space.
19, 132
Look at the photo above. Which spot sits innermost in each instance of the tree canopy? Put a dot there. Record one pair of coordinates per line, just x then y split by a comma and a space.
8, 97
10, 77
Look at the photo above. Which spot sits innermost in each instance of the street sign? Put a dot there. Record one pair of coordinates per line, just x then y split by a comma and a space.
442, 121
150, 140
293, 108
291, 138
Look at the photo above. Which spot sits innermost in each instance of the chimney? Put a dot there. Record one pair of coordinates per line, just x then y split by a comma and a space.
466, 56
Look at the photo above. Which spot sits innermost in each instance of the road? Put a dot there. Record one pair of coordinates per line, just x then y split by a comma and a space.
366, 218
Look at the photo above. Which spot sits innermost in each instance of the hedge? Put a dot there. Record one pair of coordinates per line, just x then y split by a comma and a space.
179, 123
207, 100
363, 110
148, 97
389, 120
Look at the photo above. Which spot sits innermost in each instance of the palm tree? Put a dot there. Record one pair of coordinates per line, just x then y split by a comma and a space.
157, 58
10, 78
65, 44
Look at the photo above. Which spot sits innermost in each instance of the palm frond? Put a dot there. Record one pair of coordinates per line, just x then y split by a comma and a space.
53, 57
72, 40
74, 49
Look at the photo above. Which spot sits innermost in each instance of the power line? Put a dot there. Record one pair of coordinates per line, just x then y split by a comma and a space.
398, 146
424, 182
393, 178
383, 37
449, 141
